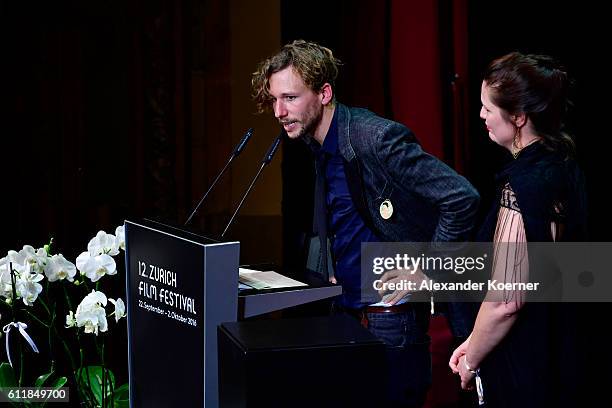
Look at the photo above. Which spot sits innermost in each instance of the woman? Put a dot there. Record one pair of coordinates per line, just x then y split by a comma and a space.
520, 352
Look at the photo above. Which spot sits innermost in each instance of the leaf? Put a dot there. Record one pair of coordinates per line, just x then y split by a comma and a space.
7, 379
41, 380
7, 376
122, 403
92, 377
59, 383
122, 396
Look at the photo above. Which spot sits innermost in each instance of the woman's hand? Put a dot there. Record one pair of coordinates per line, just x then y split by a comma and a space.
467, 377
459, 352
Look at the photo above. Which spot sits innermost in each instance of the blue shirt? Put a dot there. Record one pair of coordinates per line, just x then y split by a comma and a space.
346, 229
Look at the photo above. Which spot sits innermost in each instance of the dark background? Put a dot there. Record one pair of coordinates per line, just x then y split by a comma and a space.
98, 99
114, 109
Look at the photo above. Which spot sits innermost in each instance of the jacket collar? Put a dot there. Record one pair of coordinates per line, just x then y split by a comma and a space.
344, 133
352, 169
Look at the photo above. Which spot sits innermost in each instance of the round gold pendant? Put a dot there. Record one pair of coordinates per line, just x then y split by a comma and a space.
386, 209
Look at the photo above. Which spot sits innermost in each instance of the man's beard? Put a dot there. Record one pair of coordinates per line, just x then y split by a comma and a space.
309, 123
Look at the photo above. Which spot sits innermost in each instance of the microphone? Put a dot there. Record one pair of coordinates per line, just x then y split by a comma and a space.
237, 150
266, 160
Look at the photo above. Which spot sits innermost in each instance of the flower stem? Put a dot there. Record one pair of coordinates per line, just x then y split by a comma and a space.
84, 281
50, 352
14, 310
68, 302
64, 346
103, 376
42, 302
83, 388
33, 316
14, 290
20, 364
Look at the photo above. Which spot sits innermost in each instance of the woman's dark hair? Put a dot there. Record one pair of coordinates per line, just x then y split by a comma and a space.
537, 86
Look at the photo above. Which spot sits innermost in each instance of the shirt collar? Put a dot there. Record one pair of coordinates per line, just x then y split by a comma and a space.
330, 144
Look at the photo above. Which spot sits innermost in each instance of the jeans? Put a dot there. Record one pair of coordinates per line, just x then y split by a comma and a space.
407, 352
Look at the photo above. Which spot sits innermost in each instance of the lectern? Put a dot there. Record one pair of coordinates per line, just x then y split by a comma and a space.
180, 286
303, 363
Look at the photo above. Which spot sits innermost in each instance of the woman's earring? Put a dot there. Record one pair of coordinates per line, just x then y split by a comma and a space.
516, 143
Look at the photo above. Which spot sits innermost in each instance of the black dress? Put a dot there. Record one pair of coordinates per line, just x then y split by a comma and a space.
536, 364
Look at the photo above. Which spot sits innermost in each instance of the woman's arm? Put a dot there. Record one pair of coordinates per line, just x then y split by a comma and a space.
500, 308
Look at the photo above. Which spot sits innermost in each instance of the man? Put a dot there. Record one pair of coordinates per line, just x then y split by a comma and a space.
374, 183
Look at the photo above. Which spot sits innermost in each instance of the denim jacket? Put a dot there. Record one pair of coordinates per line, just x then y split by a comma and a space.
383, 161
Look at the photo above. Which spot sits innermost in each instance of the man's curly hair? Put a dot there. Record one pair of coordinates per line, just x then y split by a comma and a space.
315, 64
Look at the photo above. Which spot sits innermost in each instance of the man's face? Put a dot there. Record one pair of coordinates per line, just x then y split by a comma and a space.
297, 107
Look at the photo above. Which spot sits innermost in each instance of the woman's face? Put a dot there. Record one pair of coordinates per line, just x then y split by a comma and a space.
501, 131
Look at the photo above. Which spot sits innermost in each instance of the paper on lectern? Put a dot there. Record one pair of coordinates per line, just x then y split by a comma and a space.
266, 279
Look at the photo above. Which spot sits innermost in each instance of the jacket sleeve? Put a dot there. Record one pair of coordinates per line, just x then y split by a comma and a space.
427, 177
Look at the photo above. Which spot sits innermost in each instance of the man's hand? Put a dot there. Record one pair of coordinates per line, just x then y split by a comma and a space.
398, 276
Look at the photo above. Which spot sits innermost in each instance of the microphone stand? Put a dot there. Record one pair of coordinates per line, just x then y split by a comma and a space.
266, 160
234, 154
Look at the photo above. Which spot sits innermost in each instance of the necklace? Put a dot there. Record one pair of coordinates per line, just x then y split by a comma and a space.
516, 153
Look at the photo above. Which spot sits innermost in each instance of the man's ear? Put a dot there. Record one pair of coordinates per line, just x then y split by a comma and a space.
326, 94
519, 120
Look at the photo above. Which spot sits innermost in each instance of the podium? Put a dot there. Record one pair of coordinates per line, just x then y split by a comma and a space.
180, 287
303, 362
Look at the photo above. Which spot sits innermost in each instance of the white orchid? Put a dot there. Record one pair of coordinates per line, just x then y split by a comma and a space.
58, 268
120, 237
91, 314
94, 267
119, 308
32, 265
17, 261
103, 243
6, 289
22, 275
27, 286
36, 258
70, 320
93, 298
